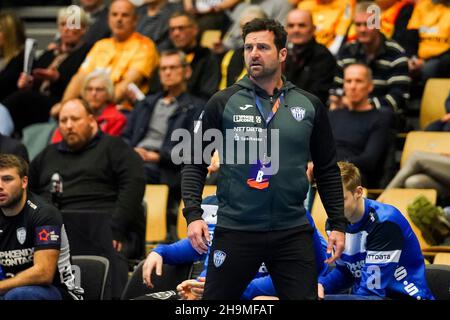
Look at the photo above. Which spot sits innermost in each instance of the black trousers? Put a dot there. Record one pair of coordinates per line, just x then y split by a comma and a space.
235, 258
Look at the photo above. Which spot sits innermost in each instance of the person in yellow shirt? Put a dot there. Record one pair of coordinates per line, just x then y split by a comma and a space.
431, 20
332, 19
394, 18
127, 56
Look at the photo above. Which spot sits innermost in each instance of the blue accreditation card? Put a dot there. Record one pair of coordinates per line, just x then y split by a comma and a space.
259, 176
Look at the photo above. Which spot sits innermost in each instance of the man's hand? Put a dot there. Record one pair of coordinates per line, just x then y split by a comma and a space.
25, 81
336, 244
51, 75
117, 245
191, 289
154, 260
148, 156
320, 291
446, 118
198, 235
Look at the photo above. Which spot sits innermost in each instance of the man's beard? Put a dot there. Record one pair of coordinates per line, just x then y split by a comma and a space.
13, 201
263, 74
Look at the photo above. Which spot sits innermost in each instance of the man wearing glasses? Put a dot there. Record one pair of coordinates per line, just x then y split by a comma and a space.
205, 77
152, 122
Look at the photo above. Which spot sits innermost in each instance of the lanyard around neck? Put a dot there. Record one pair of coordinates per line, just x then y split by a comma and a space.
274, 110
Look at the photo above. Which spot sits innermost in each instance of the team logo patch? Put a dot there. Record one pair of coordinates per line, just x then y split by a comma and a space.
298, 113
247, 106
219, 257
48, 235
21, 235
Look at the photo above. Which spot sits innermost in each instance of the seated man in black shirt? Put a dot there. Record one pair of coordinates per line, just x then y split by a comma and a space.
100, 174
34, 251
361, 131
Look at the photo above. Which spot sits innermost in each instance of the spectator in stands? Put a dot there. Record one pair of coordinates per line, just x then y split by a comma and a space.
50, 75
424, 170
382, 256
332, 19
232, 39
34, 249
98, 91
97, 13
232, 65
385, 58
309, 65
442, 124
13, 146
97, 173
361, 131
128, 56
154, 21
211, 14
394, 18
152, 123
12, 39
431, 22
205, 77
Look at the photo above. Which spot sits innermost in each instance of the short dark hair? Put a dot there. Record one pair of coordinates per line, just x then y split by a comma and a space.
259, 24
189, 16
8, 161
174, 52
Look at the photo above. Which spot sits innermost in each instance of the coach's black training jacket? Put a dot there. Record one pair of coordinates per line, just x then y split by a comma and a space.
304, 131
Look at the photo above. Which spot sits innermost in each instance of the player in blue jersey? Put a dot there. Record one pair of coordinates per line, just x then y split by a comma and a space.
182, 252
382, 256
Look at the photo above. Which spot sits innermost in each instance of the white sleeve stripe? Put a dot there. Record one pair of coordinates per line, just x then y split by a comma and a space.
383, 257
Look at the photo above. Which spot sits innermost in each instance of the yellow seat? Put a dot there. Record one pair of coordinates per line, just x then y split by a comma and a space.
442, 258
401, 198
156, 196
432, 105
208, 190
435, 142
210, 37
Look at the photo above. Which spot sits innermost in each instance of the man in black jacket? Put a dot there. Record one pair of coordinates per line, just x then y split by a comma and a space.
205, 77
261, 217
309, 65
98, 178
153, 121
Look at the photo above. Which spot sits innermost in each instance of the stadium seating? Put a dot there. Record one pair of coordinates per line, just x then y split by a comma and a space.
93, 274
435, 142
438, 279
155, 197
171, 277
208, 190
442, 258
400, 198
432, 104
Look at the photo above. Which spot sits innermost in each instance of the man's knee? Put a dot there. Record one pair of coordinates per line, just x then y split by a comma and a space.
417, 181
33, 293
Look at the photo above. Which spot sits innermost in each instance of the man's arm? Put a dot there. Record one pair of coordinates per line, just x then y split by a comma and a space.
328, 178
128, 170
121, 87
41, 273
194, 173
73, 89
326, 171
398, 83
337, 280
